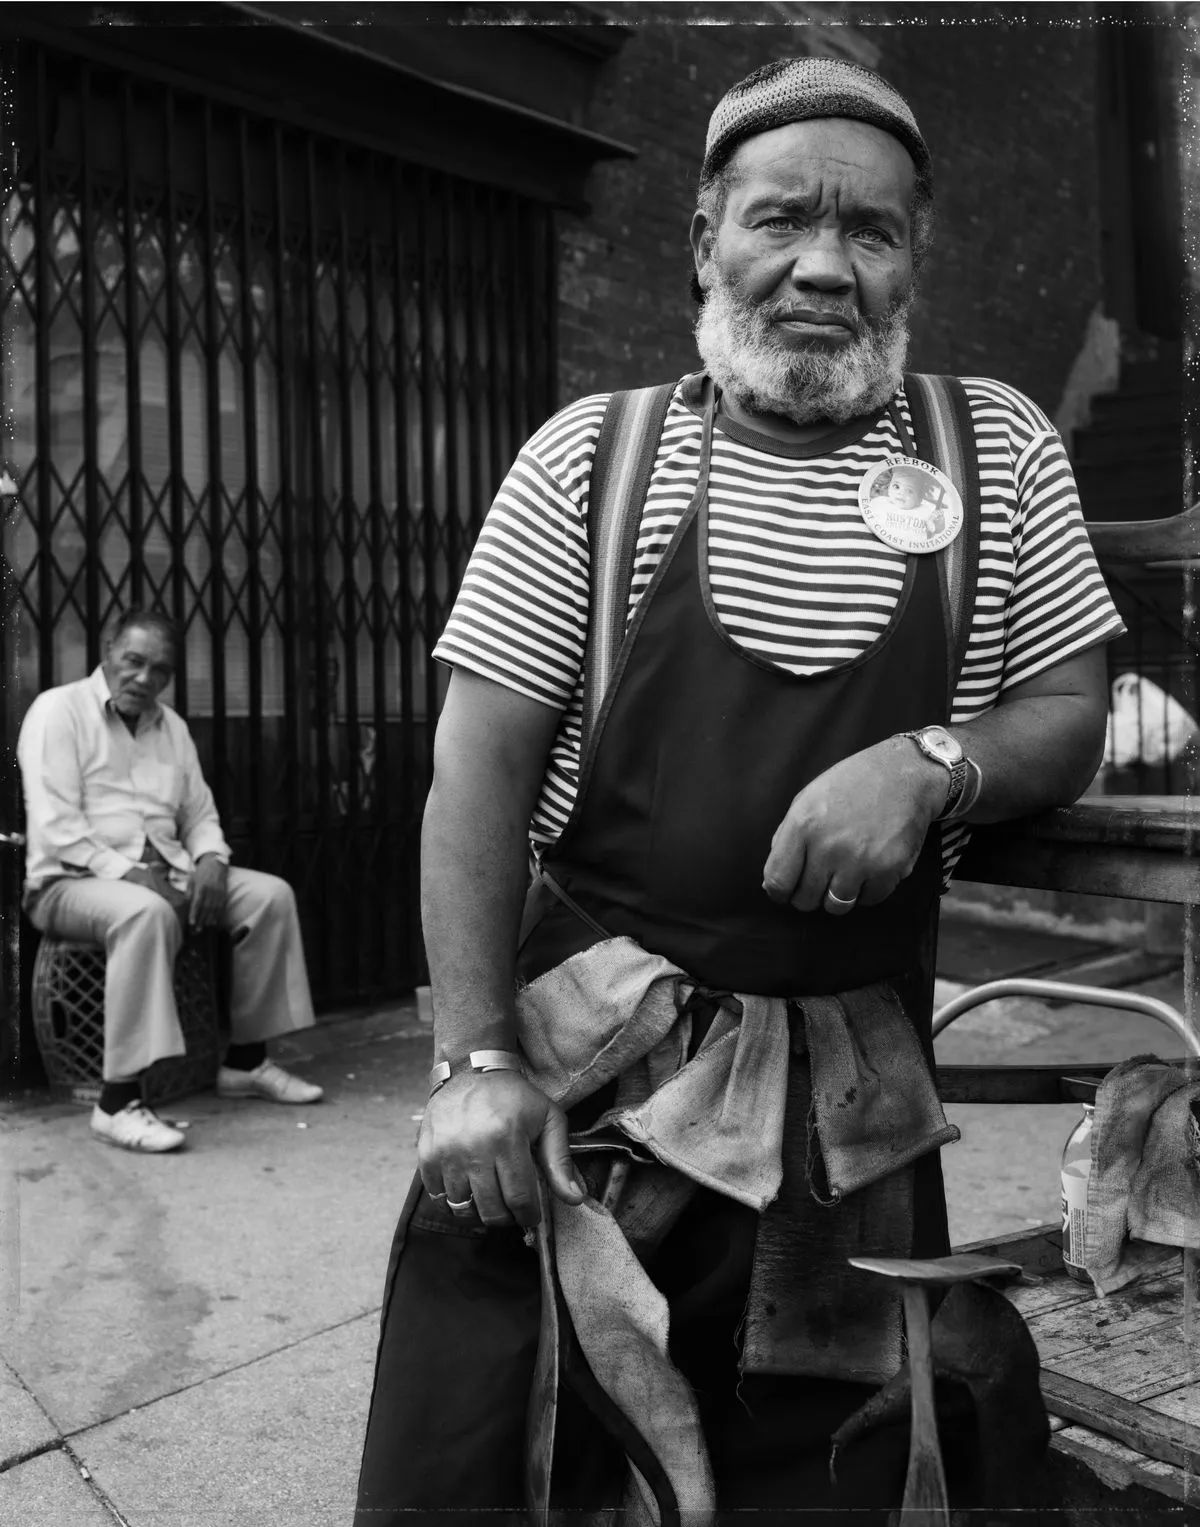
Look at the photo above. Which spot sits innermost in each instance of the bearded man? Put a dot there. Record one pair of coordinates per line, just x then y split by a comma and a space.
738, 859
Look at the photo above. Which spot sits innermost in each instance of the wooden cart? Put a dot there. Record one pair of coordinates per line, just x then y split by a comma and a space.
1121, 1376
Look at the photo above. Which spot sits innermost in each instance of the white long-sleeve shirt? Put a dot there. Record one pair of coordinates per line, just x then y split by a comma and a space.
96, 794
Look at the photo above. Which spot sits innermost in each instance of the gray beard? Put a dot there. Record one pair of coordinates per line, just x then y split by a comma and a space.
745, 356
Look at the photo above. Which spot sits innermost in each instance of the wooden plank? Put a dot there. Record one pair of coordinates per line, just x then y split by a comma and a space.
1169, 823
1039, 1253
1099, 1324
1119, 1466
1139, 541
1182, 1403
1146, 1363
1170, 1439
1013, 1084
1053, 1294
1034, 1249
1096, 869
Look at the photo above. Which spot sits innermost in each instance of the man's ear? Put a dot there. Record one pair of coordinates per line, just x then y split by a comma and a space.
702, 239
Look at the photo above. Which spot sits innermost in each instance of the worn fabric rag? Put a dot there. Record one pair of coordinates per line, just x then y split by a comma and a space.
718, 1116
809, 1313
621, 1322
586, 1021
715, 1114
875, 1106
862, 1106
1143, 1196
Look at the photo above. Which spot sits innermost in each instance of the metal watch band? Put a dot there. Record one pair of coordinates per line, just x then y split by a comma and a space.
477, 1060
970, 793
958, 780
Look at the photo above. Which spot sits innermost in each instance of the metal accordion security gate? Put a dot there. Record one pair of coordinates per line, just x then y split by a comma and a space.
266, 381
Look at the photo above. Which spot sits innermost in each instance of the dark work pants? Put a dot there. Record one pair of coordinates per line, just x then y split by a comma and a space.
445, 1437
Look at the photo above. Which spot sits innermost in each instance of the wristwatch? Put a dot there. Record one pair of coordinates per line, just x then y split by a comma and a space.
936, 743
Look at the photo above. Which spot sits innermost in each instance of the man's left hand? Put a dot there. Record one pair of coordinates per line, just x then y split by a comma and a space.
208, 892
855, 832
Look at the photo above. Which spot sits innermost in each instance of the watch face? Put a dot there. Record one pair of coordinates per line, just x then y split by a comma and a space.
940, 743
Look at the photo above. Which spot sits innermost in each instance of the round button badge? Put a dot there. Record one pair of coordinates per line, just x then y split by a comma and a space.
910, 505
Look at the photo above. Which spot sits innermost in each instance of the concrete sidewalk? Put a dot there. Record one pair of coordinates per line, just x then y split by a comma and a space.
187, 1341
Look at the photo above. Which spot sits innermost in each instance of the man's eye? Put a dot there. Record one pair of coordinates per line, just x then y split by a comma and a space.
779, 224
872, 235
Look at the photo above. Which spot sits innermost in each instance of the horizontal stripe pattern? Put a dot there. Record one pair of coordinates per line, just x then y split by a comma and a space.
797, 577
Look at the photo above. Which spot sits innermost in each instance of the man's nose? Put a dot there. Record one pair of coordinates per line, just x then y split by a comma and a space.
823, 263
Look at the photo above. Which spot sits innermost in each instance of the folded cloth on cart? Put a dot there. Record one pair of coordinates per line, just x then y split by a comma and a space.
1144, 1188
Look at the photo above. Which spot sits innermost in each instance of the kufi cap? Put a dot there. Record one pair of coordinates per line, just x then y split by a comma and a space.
799, 89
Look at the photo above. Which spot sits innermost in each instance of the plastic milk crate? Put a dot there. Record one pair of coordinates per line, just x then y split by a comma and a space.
68, 1020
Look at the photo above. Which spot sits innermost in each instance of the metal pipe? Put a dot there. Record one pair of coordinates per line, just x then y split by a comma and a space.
133, 357
175, 343
96, 617
323, 700
214, 518
255, 623
429, 483
287, 351
374, 598
1067, 991
400, 422
42, 235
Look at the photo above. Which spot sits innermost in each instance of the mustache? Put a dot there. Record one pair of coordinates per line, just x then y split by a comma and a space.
785, 311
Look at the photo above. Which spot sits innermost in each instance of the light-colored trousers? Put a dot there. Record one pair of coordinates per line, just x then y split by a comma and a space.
141, 934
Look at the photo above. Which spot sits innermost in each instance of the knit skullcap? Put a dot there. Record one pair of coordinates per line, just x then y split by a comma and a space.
799, 89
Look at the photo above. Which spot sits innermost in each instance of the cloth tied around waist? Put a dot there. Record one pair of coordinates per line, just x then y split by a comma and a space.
717, 1115
1143, 1195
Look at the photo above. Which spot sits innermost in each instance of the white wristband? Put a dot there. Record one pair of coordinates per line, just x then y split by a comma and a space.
477, 1060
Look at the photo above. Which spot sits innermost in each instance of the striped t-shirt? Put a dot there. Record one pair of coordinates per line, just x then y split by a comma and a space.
797, 577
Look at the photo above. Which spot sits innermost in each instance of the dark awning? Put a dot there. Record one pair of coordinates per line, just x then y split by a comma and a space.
352, 81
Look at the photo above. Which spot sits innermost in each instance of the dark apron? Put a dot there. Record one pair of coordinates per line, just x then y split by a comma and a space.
696, 757
697, 754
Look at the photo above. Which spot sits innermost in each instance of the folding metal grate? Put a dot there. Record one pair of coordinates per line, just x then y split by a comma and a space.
269, 382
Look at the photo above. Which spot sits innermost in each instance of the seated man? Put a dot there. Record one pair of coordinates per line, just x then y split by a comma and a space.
124, 847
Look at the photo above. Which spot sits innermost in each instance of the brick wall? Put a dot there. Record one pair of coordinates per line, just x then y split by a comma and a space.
1008, 115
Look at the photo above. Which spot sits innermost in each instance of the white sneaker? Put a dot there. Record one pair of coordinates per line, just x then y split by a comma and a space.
136, 1128
266, 1081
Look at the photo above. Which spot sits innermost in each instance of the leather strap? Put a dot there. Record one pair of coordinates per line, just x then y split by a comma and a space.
620, 478
945, 436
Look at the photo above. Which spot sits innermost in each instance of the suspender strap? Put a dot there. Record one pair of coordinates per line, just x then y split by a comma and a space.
945, 436
620, 478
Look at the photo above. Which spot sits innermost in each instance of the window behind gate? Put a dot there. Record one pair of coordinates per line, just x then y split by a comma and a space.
267, 382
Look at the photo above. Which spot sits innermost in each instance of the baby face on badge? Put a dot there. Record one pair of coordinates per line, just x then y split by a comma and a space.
904, 491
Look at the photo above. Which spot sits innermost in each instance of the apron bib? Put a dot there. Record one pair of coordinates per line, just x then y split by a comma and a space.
699, 748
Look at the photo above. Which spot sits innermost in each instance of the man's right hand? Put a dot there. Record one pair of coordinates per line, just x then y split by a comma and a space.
484, 1136
154, 879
